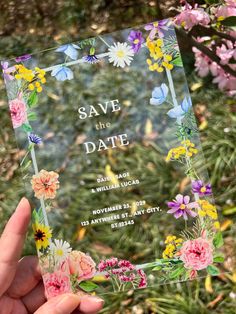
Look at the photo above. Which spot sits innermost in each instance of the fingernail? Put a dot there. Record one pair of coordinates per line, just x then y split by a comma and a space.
91, 304
67, 304
22, 201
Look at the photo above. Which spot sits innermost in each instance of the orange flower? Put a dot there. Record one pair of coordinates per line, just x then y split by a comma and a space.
45, 184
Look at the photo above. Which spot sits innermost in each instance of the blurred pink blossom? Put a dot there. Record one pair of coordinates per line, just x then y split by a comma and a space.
225, 11
192, 16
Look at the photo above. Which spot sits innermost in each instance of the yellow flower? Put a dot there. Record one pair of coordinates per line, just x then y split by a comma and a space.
207, 209
42, 235
158, 55
217, 225
31, 86
34, 78
172, 244
182, 151
168, 57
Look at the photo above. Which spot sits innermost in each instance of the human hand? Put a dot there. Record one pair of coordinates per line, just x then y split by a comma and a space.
21, 285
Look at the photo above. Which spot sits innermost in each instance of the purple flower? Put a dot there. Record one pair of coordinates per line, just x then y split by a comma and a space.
136, 39
202, 189
181, 207
35, 139
23, 58
91, 59
7, 71
157, 27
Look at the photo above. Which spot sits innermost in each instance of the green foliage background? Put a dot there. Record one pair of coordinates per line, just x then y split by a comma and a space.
30, 26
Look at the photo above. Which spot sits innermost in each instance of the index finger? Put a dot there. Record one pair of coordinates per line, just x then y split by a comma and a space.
11, 243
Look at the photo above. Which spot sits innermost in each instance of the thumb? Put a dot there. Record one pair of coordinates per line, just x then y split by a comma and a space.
62, 304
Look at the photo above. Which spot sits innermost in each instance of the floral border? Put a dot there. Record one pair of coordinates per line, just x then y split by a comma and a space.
65, 270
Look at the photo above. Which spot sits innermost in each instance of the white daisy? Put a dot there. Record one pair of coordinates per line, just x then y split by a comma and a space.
120, 54
60, 250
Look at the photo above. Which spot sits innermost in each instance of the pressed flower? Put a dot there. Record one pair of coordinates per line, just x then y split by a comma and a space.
200, 188
33, 78
18, 112
136, 39
24, 73
7, 71
181, 207
207, 209
157, 27
161, 59
56, 283
23, 58
42, 235
172, 245
181, 110
187, 150
45, 184
62, 73
120, 54
35, 139
197, 254
60, 250
91, 58
159, 94
70, 50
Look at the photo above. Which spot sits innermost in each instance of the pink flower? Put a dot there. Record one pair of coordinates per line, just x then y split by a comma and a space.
231, 3
45, 184
81, 265
192, 16
225, 11
56, 283
197, 254
143, 279
18, 112
225, 54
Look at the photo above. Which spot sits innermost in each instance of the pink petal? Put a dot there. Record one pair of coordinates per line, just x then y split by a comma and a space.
186, 199
179, 198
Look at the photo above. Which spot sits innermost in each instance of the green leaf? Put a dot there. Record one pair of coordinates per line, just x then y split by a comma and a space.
88, 286
218, 240
157, 268
33, 99
27, 165
213, 270
218, 259
92, 51
177, 272
27, 127
211, 1
229, 211
229, 21
32, 116
178, 62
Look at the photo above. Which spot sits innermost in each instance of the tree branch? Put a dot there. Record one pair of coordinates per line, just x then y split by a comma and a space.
211, 32
205, 50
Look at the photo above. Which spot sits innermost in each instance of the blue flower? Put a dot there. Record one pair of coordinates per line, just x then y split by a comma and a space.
91, 59
159, 94
62, 73
70, 50
181, 110
35, 139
